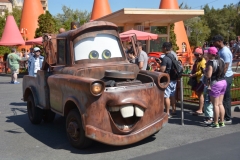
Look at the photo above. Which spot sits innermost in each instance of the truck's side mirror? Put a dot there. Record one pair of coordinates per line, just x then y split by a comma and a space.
49, 46
134, 44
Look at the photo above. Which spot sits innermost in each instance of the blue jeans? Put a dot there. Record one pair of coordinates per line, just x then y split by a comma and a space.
227, 98
208, 107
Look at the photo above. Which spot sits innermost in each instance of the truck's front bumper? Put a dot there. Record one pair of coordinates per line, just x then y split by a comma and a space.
120, 140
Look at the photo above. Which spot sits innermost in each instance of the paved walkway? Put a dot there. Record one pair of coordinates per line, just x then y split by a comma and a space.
19, 139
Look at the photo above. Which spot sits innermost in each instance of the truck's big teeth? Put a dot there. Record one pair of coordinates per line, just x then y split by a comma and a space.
114, 109
127, 111
139, 112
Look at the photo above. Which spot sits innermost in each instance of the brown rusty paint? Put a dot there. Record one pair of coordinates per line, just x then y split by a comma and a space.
70, 84
161, 79
119, 140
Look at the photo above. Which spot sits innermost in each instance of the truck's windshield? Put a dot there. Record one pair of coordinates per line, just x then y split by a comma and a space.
103, 46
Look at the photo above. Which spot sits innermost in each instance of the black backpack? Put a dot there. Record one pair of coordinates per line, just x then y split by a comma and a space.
176, 69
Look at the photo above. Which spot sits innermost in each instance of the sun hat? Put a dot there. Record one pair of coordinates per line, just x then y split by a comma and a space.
198, 51
212, 50
36, 49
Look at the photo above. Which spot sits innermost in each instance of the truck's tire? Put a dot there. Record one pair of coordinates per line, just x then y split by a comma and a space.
48, 116
34, 113
75, 131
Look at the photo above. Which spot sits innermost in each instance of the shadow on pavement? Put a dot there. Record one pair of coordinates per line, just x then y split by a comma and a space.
54, 135
18, 104
190, 119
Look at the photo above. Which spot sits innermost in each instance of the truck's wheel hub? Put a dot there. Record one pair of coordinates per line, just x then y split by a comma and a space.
73, 129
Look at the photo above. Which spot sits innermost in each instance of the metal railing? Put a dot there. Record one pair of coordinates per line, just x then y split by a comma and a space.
190, 96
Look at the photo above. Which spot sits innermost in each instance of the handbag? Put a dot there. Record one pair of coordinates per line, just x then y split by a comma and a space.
192, 82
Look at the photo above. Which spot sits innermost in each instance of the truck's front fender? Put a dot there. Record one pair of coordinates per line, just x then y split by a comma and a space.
28, 91
68, 87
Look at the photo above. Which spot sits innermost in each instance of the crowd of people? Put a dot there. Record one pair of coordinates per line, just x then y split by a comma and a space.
33, 58
211, 78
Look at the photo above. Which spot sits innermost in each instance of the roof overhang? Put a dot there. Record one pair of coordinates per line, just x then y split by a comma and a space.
150, 16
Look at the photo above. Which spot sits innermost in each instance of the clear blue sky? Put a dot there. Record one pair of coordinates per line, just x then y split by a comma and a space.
55, 6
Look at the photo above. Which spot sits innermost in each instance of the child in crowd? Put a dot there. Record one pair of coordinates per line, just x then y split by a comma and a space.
208, 107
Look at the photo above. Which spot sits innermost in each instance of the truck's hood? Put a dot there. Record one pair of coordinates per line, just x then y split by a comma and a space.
97, 71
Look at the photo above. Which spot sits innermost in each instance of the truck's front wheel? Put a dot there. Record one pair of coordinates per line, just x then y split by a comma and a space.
34, 113
75, 131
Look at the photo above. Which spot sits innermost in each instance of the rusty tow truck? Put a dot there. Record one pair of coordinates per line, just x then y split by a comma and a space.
89, 81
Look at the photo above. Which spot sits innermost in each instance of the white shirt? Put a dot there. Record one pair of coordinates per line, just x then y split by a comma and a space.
37, 65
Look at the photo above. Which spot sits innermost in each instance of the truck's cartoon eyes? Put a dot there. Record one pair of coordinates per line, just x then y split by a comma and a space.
106, 54
102, 46
93, 55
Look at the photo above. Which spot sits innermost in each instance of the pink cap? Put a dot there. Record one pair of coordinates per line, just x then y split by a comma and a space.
212, 50
205, 51
198, 51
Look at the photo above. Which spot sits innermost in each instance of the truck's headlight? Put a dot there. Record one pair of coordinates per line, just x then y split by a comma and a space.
97, 88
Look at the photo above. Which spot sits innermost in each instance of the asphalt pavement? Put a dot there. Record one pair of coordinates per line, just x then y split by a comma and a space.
20, 140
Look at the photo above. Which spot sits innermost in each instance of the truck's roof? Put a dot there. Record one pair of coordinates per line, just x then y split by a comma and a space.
94, 24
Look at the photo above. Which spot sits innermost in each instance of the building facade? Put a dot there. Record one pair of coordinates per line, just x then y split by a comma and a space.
5, 5
9, 4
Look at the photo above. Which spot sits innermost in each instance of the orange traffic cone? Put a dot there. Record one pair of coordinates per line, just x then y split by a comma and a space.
179, 29
29, 21
194, 95
100, 8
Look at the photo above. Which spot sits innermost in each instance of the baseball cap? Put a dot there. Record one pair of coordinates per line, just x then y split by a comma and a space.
212, 50
217, 38
198, 51
36, 49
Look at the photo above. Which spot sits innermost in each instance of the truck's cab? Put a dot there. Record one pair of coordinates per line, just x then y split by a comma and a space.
104, 97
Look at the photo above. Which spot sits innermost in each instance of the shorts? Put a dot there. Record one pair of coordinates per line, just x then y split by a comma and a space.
218, 88
15, 71
170, 90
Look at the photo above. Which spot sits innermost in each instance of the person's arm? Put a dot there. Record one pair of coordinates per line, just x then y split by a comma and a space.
209, 71
202, 65
140, 60
226, 58
163, 65
162, 68
140, 65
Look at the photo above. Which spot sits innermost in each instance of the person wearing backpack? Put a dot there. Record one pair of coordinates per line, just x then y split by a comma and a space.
196, 74
227, 56
166, 65
216, 85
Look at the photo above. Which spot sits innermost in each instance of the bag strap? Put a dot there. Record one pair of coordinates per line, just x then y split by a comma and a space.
169, 56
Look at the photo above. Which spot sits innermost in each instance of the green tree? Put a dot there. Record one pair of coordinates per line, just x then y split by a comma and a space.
198, 31
46, 24
222, 21
173, 38
69, 15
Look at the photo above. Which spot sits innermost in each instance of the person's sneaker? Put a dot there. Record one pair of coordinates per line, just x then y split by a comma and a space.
208, 121
11, 82
169, 116
228, 121
221, 124
16, 82
214, 125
